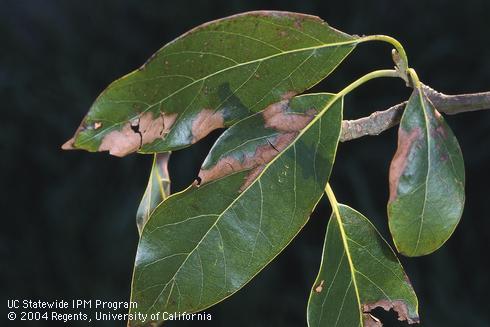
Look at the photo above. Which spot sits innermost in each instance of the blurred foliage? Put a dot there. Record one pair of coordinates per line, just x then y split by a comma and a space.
69, 217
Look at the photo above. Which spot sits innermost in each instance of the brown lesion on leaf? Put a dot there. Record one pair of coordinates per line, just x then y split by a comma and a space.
276, 116
319, 288
69, 145
371, 321
399, 306
141, 130
255, 161
400, 159
206, 121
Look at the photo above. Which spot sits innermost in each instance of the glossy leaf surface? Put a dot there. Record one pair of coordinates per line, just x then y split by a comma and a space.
209, 78
205, 243
157, 190
426, 180
358, 273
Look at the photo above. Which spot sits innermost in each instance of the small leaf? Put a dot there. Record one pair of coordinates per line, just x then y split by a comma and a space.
426, 180
157, 190
359, 272
209, 78
205, 243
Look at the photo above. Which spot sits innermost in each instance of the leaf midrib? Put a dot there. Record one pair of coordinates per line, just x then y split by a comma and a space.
329, 104
426, 122
349, 259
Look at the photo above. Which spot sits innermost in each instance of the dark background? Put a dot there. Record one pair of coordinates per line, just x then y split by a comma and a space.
68, 218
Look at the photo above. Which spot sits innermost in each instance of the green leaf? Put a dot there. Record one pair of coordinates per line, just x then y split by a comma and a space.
426, 180
209, 78
359, 272
203, 244
157, 190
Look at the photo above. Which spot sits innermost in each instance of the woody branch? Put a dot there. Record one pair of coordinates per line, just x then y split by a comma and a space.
380, 121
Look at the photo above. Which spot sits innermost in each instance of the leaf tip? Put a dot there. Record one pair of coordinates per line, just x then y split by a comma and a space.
69, 145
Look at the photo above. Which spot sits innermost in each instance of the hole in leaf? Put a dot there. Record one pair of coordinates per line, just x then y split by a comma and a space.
390, 318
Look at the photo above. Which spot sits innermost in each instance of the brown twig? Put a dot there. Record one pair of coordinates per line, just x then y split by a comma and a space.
380, 121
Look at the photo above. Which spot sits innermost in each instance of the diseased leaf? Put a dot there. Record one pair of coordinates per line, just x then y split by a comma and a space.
157, 190
205, 243
358, 273
426, 180
209, 78
255, 141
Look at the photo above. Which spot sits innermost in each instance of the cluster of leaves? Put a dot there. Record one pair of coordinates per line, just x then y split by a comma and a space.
265, 174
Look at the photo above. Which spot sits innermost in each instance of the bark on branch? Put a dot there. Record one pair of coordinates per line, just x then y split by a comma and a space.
380, 121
